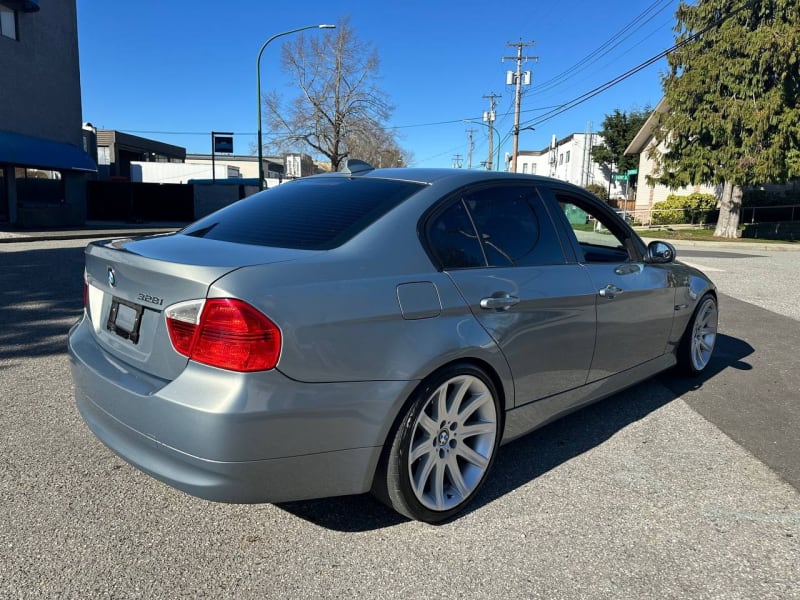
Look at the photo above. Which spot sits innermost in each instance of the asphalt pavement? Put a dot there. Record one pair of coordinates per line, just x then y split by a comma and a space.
675, 488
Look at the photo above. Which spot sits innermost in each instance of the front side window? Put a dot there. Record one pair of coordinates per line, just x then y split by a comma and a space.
8, 23
599, 238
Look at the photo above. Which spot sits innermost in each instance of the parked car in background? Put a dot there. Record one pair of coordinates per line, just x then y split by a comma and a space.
374, 330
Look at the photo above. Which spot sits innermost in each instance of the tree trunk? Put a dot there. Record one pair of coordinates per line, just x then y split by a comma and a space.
730, 209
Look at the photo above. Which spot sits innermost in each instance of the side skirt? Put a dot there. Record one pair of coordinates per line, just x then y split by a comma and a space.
526, 418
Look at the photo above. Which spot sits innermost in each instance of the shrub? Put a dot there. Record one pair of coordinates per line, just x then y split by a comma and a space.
598, 190
694, 208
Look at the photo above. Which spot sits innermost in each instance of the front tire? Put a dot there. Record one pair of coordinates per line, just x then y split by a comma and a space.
445, 444
697, 345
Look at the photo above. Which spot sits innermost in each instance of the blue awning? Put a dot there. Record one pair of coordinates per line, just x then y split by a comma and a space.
29, 151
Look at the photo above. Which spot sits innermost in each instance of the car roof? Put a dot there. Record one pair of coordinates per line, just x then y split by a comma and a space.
431, 175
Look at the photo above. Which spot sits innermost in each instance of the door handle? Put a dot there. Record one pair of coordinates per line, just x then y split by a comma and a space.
610, 291
499, 302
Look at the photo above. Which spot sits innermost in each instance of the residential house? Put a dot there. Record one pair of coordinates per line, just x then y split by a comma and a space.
650, 193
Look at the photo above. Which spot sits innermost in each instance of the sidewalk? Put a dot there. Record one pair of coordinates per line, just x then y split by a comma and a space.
92, 229
754, 245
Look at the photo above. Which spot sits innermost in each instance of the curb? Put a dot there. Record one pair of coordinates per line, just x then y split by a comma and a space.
754, 245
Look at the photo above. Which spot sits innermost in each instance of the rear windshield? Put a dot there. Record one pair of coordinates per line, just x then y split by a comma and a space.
307, 214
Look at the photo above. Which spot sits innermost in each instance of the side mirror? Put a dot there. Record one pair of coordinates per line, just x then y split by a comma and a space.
660, 253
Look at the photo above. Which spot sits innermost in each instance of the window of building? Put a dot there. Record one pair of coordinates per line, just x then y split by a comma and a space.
561, 158
39, 186
3, 196
103, 155
567, 159
533, 168
524, 167
8, 23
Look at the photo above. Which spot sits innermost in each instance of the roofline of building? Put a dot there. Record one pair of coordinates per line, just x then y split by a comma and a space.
237, 157
120, 138
643, 136
547, 149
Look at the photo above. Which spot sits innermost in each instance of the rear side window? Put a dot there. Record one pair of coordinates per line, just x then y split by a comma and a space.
453, 239
496, 226
307, 214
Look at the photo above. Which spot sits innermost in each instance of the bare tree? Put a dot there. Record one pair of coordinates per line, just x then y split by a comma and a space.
340, 110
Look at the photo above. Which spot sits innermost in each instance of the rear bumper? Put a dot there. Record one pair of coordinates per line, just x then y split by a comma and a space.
230, 437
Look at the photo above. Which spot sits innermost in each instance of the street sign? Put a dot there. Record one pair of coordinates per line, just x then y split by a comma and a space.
620, 177
223, 144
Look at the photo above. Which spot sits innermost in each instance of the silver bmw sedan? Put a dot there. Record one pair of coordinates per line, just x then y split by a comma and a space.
380, 330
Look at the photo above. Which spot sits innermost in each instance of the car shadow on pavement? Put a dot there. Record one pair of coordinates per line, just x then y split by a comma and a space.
533, 455
40, 297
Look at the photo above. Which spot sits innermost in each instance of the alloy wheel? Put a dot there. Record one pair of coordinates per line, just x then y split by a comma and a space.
452, 442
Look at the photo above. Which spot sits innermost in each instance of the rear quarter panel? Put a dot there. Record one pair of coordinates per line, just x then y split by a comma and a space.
340, 315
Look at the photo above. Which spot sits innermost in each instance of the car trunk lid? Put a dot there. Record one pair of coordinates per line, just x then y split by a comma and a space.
130, 282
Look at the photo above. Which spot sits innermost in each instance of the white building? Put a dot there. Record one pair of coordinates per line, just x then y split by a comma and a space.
570, 159
247, 165
158, 172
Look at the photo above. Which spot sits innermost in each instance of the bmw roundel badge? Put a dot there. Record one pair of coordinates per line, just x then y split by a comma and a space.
112, 277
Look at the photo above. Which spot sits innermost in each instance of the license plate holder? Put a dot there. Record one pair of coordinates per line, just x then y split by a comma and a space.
124, 319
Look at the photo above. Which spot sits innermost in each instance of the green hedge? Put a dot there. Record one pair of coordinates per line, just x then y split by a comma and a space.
694, 208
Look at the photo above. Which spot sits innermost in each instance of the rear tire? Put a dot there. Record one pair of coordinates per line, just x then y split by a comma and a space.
700, 337
444, 445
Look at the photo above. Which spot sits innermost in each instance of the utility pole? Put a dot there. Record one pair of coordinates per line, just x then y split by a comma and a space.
517, 80
457, 161
471, 146
489, 117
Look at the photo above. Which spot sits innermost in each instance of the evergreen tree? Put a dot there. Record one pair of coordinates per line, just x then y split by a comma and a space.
731, 92
619, 129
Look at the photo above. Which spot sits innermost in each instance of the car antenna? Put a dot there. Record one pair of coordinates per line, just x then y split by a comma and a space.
354, 166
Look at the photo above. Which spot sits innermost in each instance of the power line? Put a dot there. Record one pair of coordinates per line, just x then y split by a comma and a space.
605, 48
601, 88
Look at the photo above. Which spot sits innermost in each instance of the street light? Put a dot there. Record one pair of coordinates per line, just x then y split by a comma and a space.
495, 132
258, 87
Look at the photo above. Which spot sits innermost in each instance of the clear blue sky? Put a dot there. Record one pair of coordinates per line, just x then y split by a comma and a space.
175, 70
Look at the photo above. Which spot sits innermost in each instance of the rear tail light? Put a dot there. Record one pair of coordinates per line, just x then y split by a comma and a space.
225, 333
